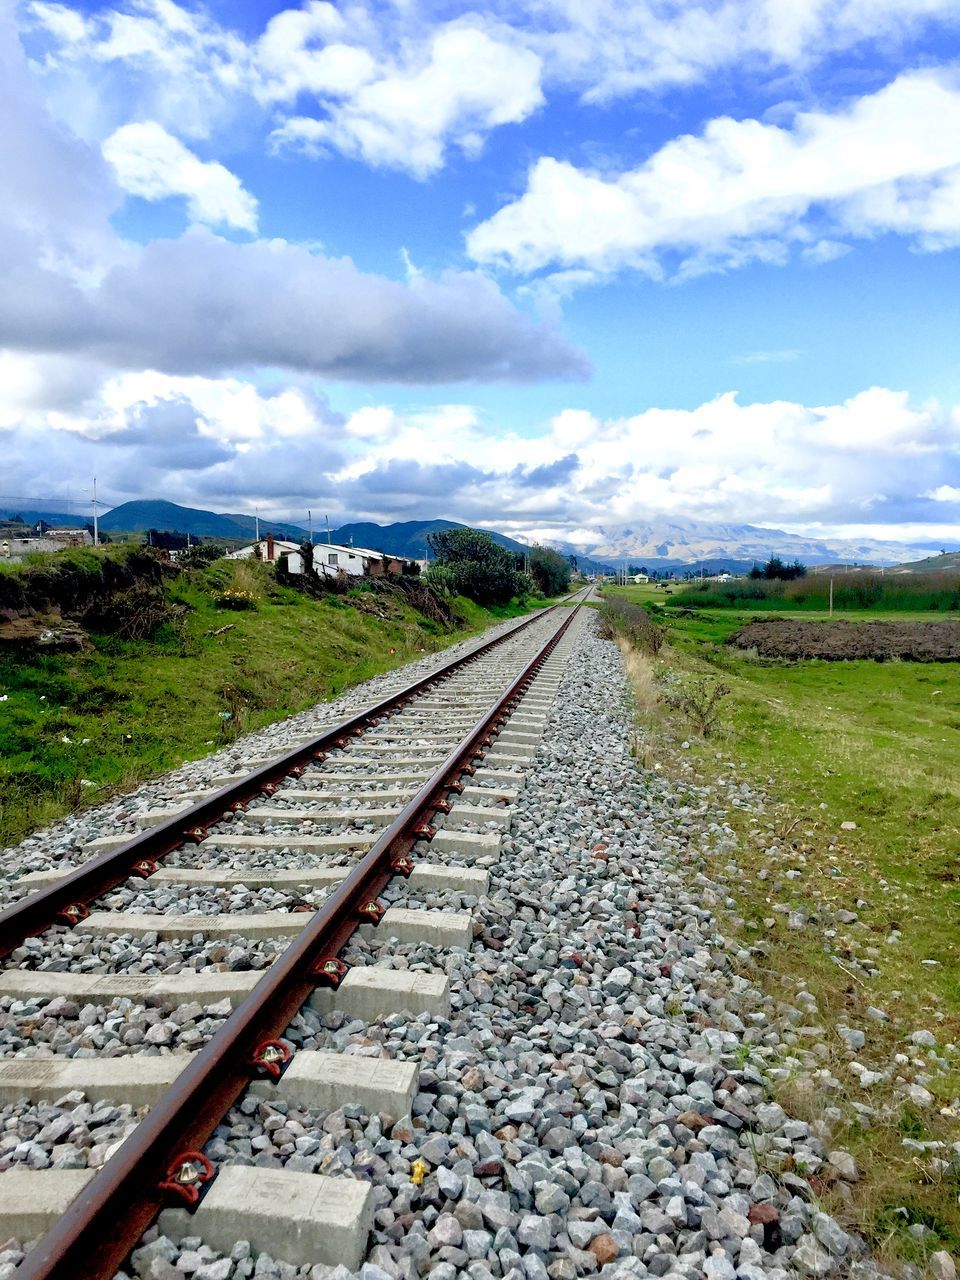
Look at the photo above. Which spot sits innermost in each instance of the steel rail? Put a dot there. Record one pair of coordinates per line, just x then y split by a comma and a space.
55, 903
108, 1217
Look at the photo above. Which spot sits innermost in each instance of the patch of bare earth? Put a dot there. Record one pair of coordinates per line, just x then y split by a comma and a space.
837, 641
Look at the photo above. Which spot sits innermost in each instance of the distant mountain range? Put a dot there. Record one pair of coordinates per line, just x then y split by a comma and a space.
678, 544
687, 545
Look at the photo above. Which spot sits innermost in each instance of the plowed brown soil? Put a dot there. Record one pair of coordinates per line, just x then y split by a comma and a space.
837, 641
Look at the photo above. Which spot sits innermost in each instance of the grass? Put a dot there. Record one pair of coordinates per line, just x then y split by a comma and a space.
876, 744
871, 592
77, 727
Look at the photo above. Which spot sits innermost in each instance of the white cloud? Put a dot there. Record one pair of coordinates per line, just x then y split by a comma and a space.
73, 286
768, 357
745, 190
343, 70
151, 60
780, 461
825, 251
861, 463
303, 51
610, 49
462, 85
151, 163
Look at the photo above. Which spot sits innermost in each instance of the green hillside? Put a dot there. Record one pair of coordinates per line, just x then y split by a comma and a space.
177, 665
948, 563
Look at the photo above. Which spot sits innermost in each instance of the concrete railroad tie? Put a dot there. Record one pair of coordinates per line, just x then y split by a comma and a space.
300, 1217
367, 992
468, 880
381, 817
438, 928
314, 1079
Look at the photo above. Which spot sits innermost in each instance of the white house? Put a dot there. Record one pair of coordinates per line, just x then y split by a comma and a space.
329, 558
641, 577
269, 549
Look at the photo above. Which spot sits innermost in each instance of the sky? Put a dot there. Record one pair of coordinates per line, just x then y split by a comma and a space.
556, 267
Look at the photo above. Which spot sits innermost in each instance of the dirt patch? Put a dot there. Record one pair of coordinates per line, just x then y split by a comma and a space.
836, 641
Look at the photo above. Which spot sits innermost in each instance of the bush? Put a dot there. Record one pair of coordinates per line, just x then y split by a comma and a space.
197, 557
776, 570
135, 614
619, 618
441, 579
699, 701
234, 598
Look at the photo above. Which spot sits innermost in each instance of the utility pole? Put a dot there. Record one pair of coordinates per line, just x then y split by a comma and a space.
329, 539
310, 523
96, 525
257, 517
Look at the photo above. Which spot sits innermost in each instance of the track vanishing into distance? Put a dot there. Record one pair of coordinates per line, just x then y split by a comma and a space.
352, 833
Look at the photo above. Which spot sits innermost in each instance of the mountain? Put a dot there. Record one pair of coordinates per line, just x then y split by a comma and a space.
279, 528
137, 517
406, 537
675, 543
409, 538
56, 519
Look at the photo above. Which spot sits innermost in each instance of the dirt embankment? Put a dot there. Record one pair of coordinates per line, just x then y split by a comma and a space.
836, 641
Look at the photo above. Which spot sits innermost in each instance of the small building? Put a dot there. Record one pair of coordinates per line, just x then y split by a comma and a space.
268, 549
14, 549
329, 558
641, 577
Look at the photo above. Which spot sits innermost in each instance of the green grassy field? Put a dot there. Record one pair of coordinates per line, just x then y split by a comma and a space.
76, 727
876, 744
931, 593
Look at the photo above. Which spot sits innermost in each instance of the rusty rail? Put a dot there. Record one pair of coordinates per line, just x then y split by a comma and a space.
55, 903
108, 1217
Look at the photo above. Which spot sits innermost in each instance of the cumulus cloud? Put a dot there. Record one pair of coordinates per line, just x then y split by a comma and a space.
200, 440
873, 460
151, 59
346, 74
151, 163
611, 50
276, 304
201, 303
463, 84
393, 90
743, 190
781, 461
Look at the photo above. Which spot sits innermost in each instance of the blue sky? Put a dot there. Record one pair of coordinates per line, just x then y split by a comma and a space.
564, 269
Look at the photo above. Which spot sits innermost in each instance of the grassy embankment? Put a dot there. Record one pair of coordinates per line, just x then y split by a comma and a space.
876, 744
76, 727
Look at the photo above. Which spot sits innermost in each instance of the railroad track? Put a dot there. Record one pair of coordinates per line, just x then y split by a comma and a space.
368, 839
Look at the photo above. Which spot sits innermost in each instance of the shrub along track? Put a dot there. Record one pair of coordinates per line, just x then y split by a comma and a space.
386, 770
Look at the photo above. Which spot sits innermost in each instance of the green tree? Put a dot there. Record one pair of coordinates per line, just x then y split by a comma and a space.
477, 566
549, 570
775, 568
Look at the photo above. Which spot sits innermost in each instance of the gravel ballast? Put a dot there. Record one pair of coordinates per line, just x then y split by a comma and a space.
595, 1103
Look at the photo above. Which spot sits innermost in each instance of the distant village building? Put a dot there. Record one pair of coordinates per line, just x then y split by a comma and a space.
641, 577
13, 549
